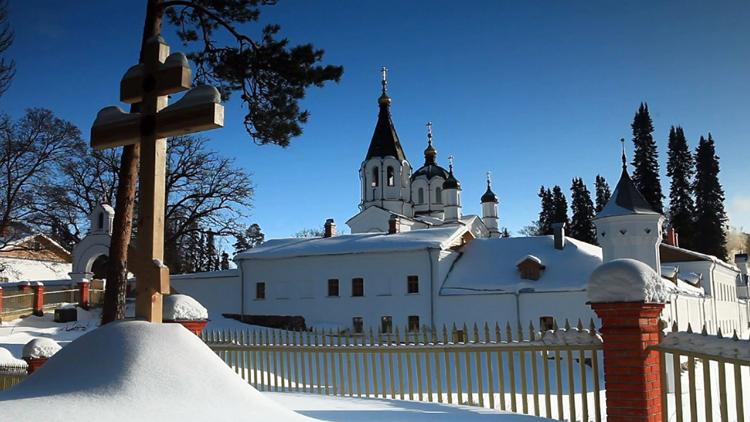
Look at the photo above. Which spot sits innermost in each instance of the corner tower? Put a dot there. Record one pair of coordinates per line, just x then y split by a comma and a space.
627, 227
385, 173
427, 182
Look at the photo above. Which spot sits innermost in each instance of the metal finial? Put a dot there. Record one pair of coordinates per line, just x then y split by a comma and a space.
384, 82
624, 158
450, 163
489, 178
429, 133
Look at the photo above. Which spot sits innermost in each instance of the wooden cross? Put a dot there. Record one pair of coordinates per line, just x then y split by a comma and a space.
149, 84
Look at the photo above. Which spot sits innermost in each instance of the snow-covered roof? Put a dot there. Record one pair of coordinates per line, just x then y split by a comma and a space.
14, 243
682, 254
489, 265
441, 237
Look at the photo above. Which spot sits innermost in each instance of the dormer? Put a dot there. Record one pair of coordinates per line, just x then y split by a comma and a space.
530, 267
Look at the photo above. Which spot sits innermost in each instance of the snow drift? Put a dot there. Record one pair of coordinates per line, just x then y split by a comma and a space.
626, 280
134, 370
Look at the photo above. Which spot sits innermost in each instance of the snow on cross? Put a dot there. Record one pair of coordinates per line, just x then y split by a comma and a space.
149, 83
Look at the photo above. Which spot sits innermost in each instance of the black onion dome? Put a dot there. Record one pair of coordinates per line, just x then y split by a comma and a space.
430, 171
489, 196
451, 182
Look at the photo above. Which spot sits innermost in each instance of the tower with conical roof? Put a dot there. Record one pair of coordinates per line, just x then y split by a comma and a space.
452, 192
385, 172
427, 182
489, 209
627, 227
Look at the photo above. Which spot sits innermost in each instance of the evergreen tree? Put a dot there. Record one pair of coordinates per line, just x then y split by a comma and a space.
559, 207
545, 215
504, 232
212, 255
582, 225
646, 159
710, 216
224, 261
680, 170
602, 193
250, 238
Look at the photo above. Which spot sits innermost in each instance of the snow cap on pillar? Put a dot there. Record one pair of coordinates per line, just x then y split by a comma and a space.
626, 280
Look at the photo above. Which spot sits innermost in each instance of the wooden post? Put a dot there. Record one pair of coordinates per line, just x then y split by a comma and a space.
38, 299
631, 368
149, 84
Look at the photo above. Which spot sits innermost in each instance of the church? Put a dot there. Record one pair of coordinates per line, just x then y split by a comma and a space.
413, 260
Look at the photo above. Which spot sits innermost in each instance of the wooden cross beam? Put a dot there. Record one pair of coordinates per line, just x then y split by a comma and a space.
198, 110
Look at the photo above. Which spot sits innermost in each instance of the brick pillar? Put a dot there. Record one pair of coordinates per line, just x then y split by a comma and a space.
1, 301
24, 287
38, 299
84, 293
631, 370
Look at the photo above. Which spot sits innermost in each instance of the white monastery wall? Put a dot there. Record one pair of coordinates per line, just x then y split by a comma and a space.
218, 291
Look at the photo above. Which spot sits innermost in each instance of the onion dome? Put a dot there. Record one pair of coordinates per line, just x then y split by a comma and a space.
430, 168
385, 140
489, 196
451, 182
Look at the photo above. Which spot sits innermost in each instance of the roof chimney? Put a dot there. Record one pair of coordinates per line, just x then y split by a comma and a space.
330, 228
559, 230
393, 224
673, 238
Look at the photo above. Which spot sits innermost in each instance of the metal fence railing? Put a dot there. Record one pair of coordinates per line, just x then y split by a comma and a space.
704, 377
555, 374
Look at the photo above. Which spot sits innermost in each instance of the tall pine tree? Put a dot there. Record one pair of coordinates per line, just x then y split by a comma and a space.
602, 193
545, 215
582, 224
646, 159
710, 216
680, 170
559, 206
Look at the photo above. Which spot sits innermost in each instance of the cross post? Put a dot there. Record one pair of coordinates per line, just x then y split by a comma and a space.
149, 84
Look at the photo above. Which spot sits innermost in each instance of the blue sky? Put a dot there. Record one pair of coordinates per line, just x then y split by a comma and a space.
536, 92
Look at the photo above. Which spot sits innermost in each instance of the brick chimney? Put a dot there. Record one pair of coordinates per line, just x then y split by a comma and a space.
559, 231
330, 228
393, 224
673, 238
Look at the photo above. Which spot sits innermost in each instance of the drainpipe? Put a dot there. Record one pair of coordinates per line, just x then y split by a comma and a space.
432, 286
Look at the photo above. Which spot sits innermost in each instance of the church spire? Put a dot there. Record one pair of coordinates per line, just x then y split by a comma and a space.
489, 195
626, 199
430, 153
624, 158
385, 141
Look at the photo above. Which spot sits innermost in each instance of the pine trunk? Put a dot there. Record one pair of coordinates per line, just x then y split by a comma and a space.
117, 271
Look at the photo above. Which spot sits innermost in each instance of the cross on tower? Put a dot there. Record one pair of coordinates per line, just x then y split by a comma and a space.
489, 177
149, 84
384, 81
450, 161
429, 132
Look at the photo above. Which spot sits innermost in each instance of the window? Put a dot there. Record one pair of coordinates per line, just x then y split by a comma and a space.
546, 323
412, 284
375, 177
386, 324
438, 195
420, 196
390, 176
333, 287
358, 287
260, 290
357, 324
413, 323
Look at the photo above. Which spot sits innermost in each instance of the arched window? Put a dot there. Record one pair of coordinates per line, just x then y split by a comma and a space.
375, 177
420, 196
101, 220
390, 178
439, 196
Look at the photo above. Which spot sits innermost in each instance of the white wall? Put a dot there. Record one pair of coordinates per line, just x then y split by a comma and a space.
218, 291
299, 286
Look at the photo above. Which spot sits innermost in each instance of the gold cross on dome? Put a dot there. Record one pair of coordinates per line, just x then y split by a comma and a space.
149, 84
429, 131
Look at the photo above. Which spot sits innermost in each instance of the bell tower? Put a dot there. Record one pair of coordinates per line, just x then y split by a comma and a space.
385, 173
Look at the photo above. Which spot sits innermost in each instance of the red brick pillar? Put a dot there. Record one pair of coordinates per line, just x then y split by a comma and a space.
38, 299
84, 294
24, 287
1, 301
631, 370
